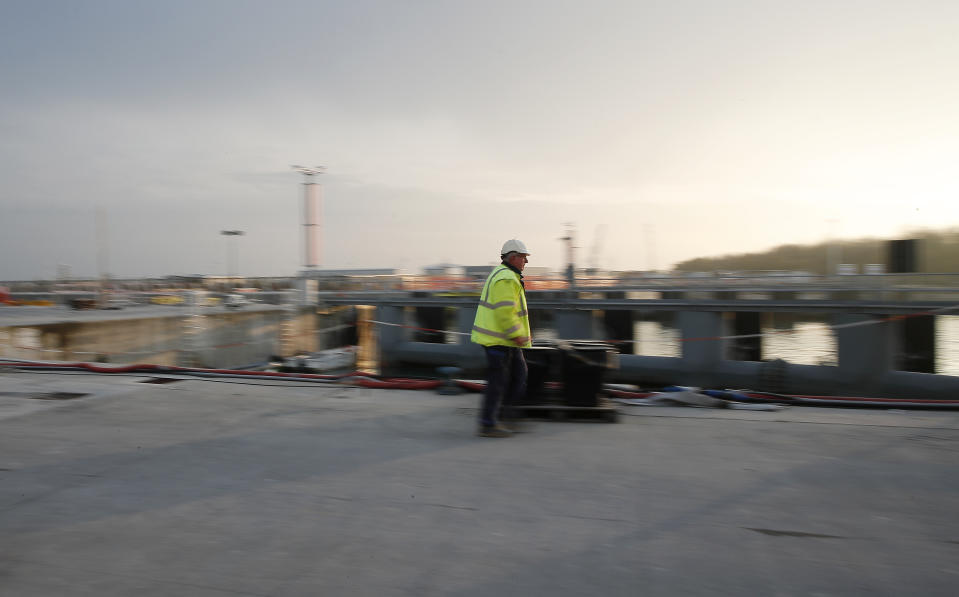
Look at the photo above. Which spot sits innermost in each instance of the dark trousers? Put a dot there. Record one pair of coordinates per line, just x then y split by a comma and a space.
505, 383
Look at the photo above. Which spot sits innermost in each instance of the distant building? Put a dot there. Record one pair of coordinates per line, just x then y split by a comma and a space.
477, 271
443, 269
536, 271
339, 273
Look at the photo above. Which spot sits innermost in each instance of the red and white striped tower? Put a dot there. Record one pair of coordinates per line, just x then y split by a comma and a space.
311, 215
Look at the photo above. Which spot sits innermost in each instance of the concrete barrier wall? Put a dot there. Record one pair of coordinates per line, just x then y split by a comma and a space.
150, 340
220, 340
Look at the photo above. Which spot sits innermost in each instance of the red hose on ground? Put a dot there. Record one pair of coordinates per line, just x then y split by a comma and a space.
358, 378
391, 384
810, 400
625, 394
144, 368
471, 385
367, 380
853, 398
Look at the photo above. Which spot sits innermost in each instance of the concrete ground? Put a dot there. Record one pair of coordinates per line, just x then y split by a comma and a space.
211, 488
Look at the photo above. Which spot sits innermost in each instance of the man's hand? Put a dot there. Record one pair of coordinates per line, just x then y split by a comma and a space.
521, 340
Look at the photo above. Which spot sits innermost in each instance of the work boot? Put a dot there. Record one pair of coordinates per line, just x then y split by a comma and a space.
493, 431
515, 425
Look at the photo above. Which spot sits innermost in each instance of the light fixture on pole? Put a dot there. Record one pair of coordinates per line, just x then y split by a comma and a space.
311, 215
231, 255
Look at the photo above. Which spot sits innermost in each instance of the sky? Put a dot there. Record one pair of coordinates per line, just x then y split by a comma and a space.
133, 132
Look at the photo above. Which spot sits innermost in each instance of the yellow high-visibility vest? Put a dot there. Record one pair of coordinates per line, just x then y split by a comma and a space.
501, 314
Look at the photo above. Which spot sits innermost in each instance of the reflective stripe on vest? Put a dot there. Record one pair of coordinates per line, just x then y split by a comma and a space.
490, 333
497, 305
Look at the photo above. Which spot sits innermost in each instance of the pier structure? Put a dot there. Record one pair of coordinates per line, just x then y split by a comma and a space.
884, 326
885, 336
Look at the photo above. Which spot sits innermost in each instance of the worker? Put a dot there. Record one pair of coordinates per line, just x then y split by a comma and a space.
502, 328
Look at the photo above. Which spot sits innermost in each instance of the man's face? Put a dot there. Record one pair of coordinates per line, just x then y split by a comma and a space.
518, 260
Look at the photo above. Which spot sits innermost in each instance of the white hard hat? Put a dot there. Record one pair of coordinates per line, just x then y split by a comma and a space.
514, 245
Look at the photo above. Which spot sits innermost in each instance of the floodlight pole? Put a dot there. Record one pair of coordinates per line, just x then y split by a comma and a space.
232, 261
311, 214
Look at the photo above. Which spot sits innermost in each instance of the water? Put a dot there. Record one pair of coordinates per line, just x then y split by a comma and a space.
806, 341
947, 344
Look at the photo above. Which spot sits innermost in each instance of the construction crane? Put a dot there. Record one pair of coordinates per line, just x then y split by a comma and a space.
597, 247
570, 258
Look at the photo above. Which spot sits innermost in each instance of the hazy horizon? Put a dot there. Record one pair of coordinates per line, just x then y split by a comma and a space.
663, 131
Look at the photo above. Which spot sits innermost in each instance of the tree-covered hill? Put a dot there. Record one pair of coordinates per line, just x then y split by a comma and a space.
938, 251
